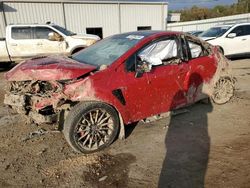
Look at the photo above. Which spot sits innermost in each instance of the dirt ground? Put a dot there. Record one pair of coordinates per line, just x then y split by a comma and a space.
208, 146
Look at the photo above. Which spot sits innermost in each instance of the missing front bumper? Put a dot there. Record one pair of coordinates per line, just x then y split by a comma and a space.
17, 102
20, 103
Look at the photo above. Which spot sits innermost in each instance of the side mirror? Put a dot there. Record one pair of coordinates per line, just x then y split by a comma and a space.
51, 36
54, 37
141, 67
231, 35
139, 72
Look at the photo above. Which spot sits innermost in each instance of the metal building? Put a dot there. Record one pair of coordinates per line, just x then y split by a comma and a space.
94, 17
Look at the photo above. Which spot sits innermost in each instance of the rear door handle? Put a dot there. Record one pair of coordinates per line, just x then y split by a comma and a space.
244, 39
13, 44
39, 44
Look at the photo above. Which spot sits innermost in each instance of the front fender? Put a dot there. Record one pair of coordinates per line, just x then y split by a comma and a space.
85, 90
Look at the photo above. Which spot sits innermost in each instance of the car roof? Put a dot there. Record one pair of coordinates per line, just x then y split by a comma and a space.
223, 25
31, 25
232, 24
147, 33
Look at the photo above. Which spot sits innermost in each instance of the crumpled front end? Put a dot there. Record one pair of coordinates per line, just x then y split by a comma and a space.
36, 99
43, 87
45, 101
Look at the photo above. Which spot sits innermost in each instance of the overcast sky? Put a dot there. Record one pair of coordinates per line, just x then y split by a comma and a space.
181, 4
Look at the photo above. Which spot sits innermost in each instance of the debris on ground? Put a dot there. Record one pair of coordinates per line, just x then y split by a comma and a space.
103, 178
37, 133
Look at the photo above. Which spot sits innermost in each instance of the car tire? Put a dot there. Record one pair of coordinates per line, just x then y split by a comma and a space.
223, 90
6, 65
91, 127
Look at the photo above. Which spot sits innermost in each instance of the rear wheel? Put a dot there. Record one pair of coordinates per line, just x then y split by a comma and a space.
91, 126
223, 91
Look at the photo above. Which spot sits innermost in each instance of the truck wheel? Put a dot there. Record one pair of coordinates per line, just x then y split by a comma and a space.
6, 65
91, 126
223, 91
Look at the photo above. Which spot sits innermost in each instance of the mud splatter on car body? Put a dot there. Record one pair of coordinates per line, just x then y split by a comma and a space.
47, 88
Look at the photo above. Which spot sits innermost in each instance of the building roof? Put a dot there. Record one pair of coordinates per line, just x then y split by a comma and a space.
91, 1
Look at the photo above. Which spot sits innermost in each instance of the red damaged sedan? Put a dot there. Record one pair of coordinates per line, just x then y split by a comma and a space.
122, 79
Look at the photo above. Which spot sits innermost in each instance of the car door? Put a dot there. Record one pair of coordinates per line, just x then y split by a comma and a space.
21, 44
156, 91
202, 69
244, 39
241, 43
46, 46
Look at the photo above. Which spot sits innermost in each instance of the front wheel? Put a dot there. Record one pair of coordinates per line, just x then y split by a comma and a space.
91, 126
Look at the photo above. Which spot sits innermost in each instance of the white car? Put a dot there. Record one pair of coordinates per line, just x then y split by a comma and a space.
27, 41
233, 40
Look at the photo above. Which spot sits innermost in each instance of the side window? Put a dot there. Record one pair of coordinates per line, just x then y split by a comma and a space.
159, 52
238, 30
195, 49
21, 33
241, 30
184, 48
42, 32
131, 63
247, 29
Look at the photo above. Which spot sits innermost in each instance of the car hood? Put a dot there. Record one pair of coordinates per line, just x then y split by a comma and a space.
86, 36
48, 68
208, 38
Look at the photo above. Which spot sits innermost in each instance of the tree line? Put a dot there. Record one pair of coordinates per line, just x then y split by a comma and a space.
200, 13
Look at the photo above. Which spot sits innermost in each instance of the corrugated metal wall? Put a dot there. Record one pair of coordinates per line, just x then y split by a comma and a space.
133, 16
2, 26
81, 16
33, 12
206, 24
112, 17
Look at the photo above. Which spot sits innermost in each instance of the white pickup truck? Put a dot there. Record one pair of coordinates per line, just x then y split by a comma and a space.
26, 41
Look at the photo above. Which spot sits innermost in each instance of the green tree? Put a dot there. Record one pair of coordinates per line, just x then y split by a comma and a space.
200, 13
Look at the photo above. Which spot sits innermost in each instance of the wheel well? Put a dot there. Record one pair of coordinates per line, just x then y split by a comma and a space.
121, 133
77, 50
221, 49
